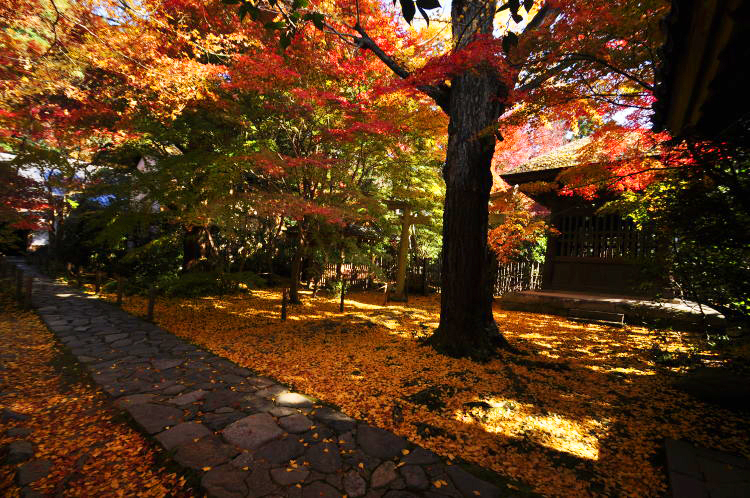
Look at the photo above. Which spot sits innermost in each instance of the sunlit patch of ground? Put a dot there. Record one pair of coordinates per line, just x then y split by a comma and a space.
92, 454
583, 413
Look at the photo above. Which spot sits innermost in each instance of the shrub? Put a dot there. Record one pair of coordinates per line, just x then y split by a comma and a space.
193, 284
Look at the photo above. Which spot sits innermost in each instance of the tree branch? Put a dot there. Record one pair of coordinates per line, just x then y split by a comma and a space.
596, 60
571, 60
367, 43
53, 26
343, 36
612, 179
550, 73
540, 17
439, 93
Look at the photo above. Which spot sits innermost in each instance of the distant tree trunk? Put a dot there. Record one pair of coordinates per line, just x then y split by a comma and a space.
403, 257
213, 251
193, 249
57, 227
299, 255
270, 248
467, 327
340, 263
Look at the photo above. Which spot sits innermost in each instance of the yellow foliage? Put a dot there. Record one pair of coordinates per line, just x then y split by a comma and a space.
583, 413
71, 422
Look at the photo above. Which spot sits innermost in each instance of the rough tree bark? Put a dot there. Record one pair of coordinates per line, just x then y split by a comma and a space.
467, 326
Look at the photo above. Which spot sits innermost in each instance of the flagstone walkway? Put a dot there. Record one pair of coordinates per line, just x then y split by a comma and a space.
247, 435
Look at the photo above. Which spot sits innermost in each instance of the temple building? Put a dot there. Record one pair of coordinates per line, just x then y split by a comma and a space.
592, 253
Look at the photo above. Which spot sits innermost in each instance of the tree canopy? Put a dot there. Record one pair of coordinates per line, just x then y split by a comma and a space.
277, 133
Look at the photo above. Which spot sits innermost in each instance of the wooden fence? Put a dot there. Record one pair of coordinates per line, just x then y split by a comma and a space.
358, 276
516, 277
424, 276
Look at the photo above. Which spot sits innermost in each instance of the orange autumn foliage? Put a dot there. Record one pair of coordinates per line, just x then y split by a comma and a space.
520, 225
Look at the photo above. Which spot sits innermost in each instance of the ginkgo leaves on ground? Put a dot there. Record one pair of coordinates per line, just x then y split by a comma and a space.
583, 412
71, 423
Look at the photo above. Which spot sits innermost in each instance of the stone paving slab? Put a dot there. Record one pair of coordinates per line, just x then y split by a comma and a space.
247, 435
686, 314
701, 472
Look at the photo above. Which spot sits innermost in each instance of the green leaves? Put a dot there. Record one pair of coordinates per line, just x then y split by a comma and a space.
509, 41
295, 12
317, 19
409, 8
287, 27
514, 6
245, 9
277, 25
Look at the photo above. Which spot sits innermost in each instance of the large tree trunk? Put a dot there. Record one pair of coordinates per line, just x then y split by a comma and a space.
403, 257
467, 327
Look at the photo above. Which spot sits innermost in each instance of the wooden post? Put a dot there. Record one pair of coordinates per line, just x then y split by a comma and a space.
27, 294
98, 281
406, 290
284, 300
386, 294
19, 284
79, 277
151, 303
119, 290
343, 293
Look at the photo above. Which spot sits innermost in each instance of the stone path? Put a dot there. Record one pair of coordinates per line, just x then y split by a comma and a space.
247, 435
685, 314
702, 473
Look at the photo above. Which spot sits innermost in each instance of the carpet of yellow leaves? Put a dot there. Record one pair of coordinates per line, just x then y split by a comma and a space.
583, 413
92, 453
